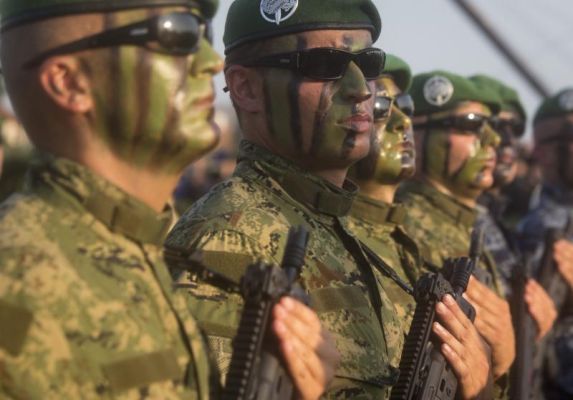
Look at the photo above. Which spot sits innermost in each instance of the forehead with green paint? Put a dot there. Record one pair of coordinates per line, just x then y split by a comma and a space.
462, 161
152, 108
322, 124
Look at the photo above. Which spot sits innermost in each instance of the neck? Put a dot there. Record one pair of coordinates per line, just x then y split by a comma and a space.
148, 185
469, 201
336, 177
376, 191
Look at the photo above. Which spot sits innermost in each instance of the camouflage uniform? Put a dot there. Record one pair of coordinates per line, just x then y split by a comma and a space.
86, 309
499, 241
247, 217
378, 225
443, 226
553, 212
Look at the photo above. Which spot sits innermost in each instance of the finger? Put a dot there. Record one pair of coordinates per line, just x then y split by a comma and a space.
301, 326
447, 338
304, 366
460, 368
452, 318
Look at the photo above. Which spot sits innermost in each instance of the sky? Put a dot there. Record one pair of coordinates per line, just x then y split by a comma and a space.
435, 34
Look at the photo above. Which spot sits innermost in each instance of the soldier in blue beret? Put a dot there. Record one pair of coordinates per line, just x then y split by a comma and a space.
553, 136
118, 97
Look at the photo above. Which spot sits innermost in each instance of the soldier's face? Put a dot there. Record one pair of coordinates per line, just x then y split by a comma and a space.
322, 124
155, 109
396, 154
463, 161
506, 163
554, 148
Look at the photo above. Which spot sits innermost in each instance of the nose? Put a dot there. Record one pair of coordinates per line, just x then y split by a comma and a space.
489, 137
399, 122
206, 60
354, 86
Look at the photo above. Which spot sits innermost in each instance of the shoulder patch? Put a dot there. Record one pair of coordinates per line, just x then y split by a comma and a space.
438, 90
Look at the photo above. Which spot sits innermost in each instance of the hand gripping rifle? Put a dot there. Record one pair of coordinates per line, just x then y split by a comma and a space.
424, 372
256, 371
548, 275
525, 333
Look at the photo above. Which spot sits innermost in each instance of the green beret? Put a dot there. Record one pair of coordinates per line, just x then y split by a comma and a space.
15, 12
560, 104
438, 91
509, 97
250, 20
399, 71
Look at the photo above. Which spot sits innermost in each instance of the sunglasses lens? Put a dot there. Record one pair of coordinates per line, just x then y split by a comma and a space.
405, 104
321, 64
371, 63
382, 107
470, 122
179, 33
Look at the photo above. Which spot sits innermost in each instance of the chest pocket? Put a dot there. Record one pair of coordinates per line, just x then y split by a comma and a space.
142, 370
346, 312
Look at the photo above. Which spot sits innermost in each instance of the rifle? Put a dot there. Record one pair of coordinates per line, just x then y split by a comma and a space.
256, 370
548, 275
424, 372
525, 333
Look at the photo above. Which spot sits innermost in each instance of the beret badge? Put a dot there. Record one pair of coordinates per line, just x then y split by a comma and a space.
277, 11
438, 90
566, 100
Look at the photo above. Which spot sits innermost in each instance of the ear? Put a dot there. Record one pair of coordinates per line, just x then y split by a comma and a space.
246, 88
67, 84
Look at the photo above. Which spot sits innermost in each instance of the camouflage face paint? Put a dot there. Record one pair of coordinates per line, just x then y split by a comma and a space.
155, 109
396, 154
313, 120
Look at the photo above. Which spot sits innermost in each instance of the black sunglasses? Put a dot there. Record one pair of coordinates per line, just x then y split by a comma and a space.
175, 34
324, 63
471, 122
383, 105
512, 126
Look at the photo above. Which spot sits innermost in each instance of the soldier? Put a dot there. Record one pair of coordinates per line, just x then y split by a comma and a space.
455, 148
118, 97
377, 222
553, 135
500, 241
301, 77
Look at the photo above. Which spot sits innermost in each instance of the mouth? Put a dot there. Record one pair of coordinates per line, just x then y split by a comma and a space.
359, 123
203, 104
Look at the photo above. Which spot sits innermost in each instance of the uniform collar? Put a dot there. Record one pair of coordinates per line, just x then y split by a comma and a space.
458, 212
376, 211
312, 191
60, 181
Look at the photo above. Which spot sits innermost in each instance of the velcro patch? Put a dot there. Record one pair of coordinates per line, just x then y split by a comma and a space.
15, 323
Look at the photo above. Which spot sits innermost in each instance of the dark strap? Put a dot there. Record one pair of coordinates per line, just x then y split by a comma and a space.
386, 269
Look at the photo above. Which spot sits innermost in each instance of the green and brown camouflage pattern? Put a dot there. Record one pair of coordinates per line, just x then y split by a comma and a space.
86, 303
443, 226
378, 225
246, 218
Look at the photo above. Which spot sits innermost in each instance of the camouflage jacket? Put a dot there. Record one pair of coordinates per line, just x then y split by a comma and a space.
444, 226
378, 225
86, 303
247, 217
553, 211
